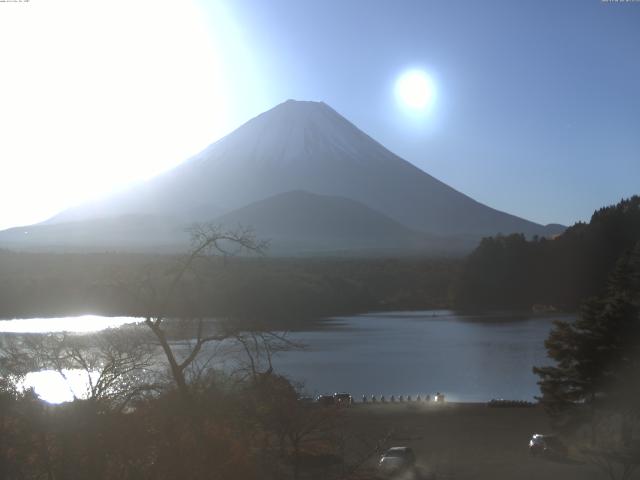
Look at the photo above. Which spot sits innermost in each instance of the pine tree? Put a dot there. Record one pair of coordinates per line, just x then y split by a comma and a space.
596, 379
598, 356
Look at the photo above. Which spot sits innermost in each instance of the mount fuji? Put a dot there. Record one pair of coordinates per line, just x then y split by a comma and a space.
347, 191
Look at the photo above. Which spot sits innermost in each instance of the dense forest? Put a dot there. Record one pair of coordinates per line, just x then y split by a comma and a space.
513, 272
259, 288
504, 272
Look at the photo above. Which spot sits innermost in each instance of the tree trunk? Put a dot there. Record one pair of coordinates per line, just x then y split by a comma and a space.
176, 372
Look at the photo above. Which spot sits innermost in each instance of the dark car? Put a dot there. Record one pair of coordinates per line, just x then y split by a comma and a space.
547, 445
325, 400
396, 459
343, 399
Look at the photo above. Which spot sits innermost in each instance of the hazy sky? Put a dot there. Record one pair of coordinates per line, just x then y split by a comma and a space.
536, 108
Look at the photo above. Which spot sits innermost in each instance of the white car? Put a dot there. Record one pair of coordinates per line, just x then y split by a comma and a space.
396, 459
547, 445
439, 397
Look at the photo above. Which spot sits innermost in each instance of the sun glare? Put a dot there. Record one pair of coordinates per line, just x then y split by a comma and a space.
80, 324
415, 90
59, 387
96, 95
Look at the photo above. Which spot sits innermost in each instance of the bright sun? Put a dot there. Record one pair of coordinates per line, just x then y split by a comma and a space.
415, 90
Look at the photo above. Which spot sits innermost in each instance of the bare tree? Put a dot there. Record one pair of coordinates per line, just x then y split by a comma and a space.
257, 349
115, 363
185, 278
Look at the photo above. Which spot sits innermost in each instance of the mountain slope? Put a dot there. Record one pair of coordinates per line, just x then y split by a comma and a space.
126, 232
307, 146
294, 223
302, 222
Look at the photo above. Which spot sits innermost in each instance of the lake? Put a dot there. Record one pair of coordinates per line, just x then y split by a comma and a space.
468, 357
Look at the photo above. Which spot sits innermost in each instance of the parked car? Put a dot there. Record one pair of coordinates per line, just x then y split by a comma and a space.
342, 399
396, 459
325, 400
548, 445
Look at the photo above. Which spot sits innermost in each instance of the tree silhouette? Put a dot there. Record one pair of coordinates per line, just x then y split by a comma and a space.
185, 280
513, 272
595, 380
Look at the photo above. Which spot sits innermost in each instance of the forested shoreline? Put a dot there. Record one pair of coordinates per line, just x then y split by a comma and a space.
502, 273
264, 289
511, 272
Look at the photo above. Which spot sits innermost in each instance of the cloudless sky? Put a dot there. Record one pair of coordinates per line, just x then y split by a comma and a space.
538, 103
537, 106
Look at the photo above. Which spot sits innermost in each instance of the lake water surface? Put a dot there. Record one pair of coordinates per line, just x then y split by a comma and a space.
468, 357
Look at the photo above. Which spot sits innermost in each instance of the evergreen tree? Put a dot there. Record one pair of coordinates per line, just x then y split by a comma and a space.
598, 356
513, 272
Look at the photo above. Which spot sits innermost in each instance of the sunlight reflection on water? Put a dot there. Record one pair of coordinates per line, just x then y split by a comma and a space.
80, 324
53, 387
470, 357
50, 385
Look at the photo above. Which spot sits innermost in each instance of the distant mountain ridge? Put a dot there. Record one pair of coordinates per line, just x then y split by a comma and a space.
296, 222
307, 146
305, 222
123, 233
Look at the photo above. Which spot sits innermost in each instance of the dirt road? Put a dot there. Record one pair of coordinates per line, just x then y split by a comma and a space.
467, 441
